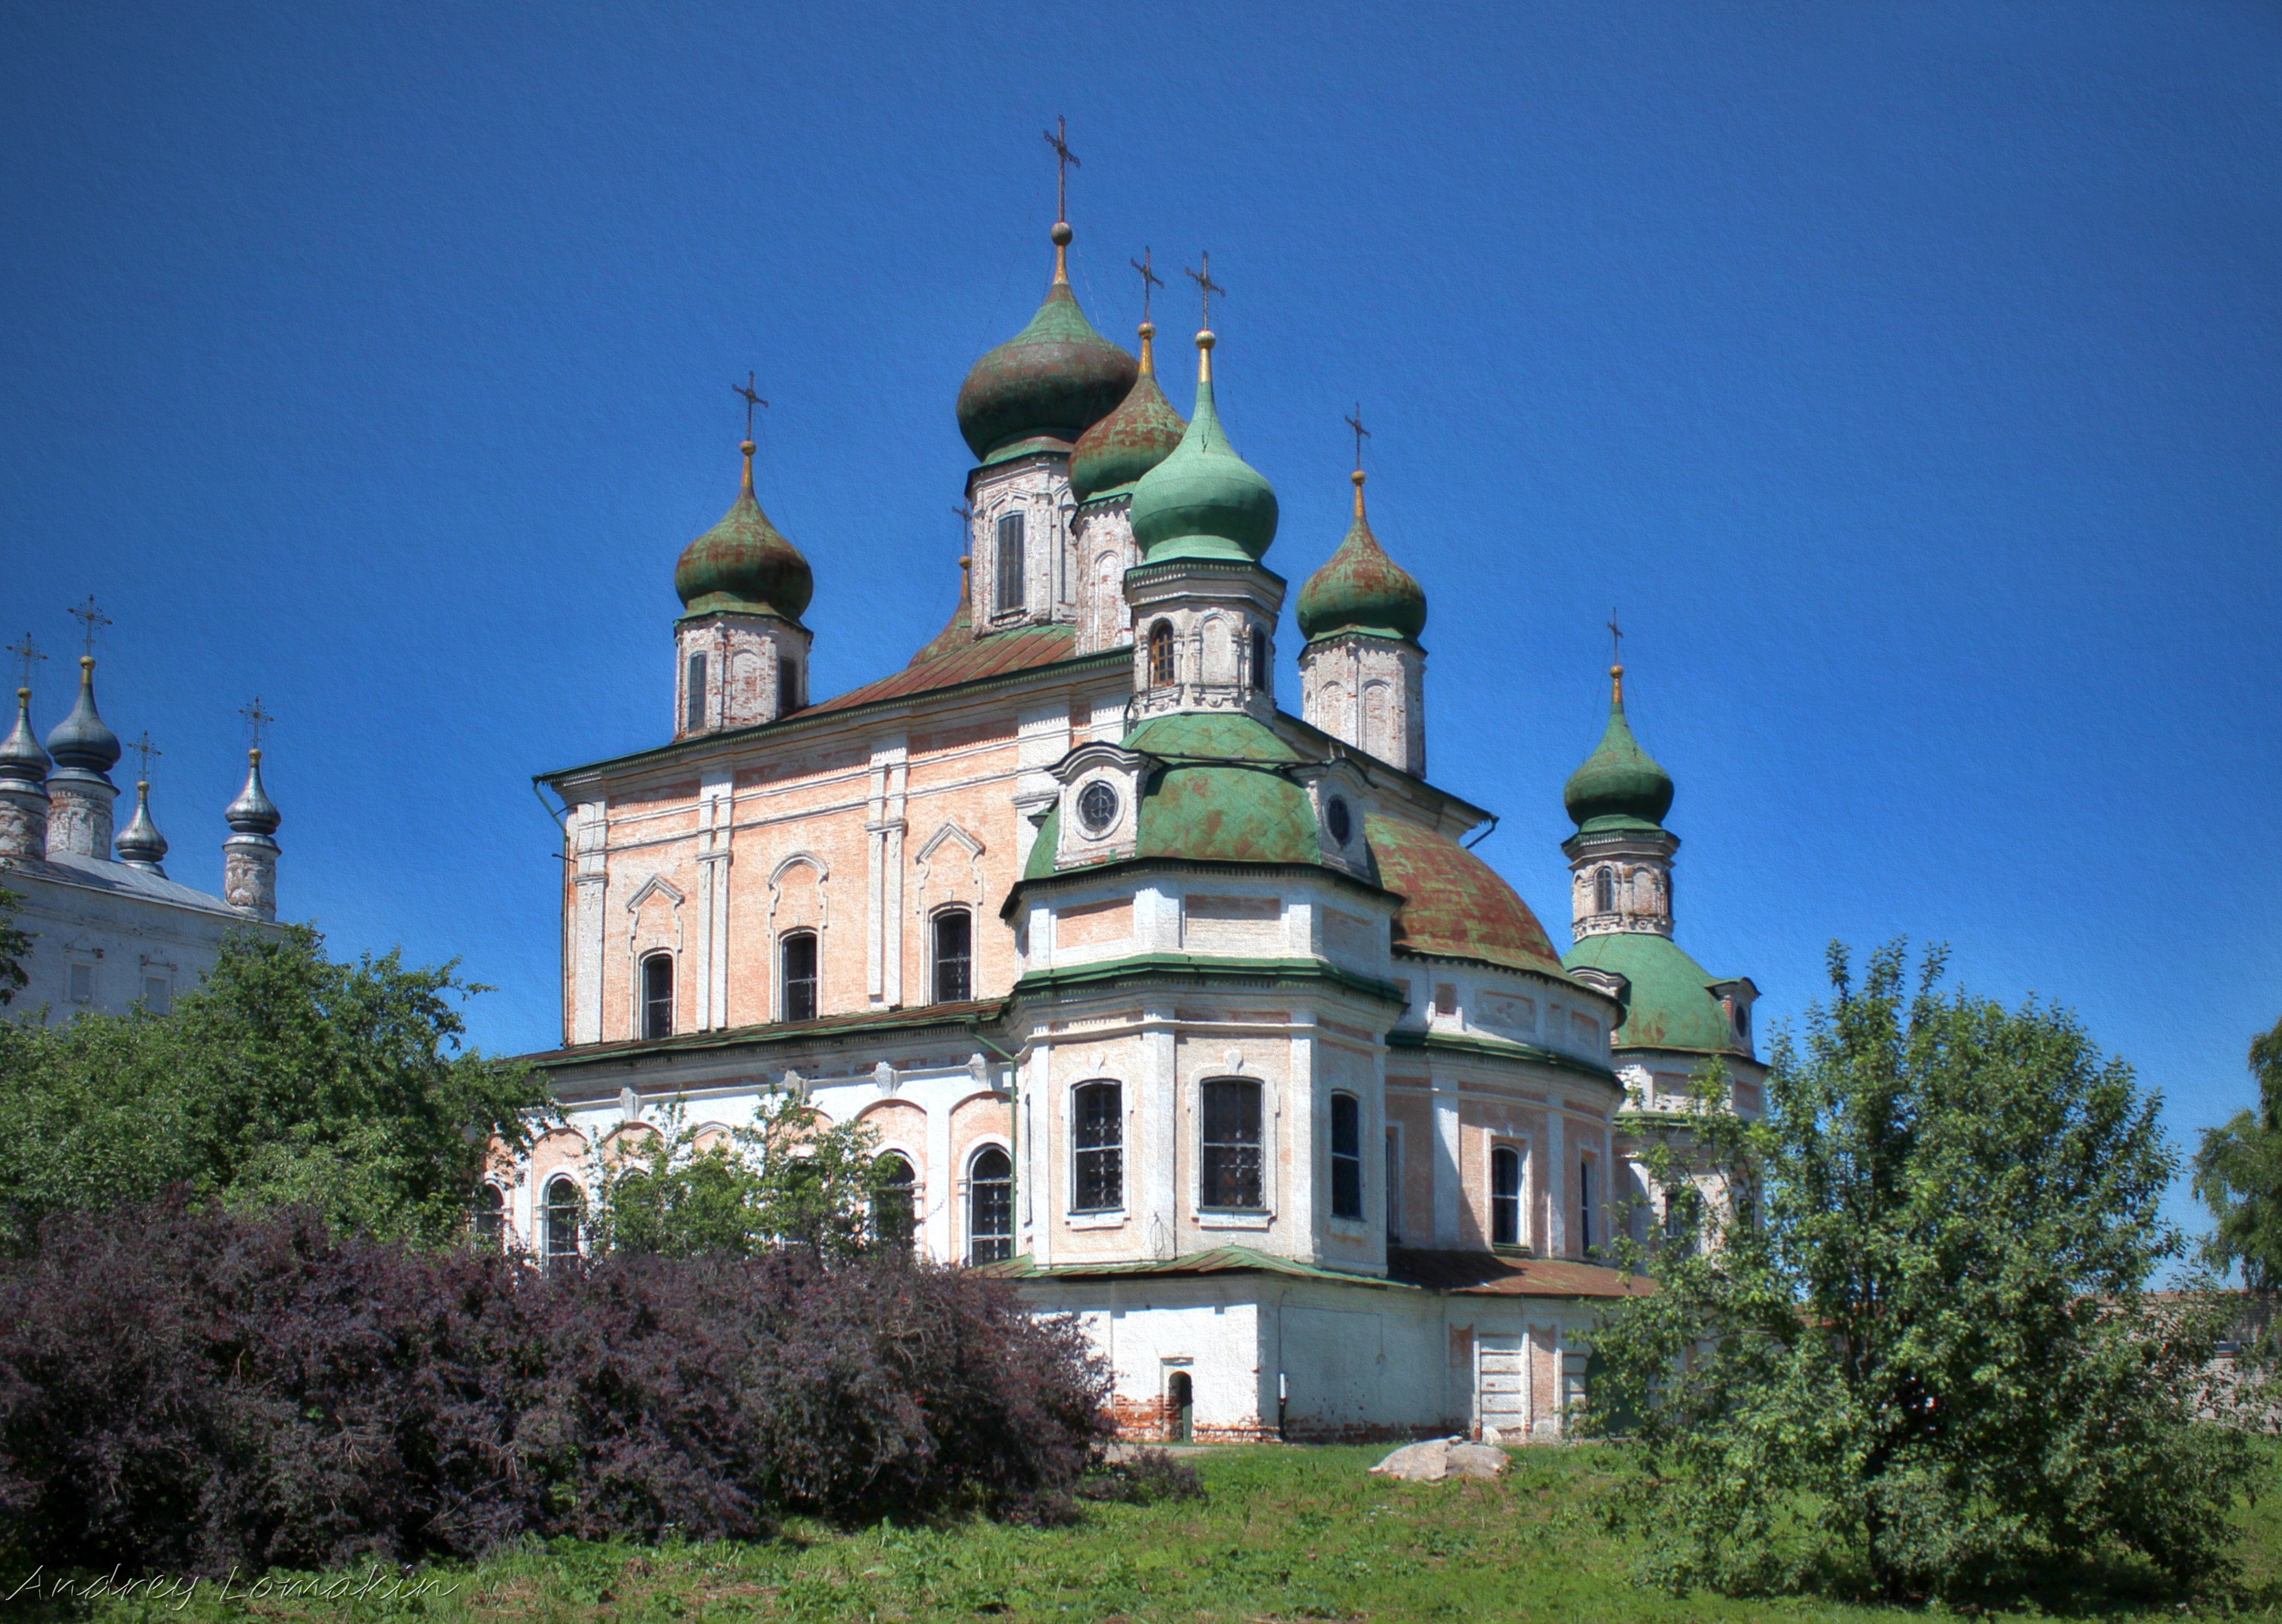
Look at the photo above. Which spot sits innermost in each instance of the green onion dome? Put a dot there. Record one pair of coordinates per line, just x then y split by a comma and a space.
1620, 786
1361, 589
1203, 500
1113, 454
744, 564
80, 740
1045, 386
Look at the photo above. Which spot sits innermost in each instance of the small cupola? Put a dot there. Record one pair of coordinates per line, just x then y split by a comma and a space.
1113, 455
1361, 589
1045, 386
1203, 501
744, 565
80, 740
22, 761
140, 845
1620, 786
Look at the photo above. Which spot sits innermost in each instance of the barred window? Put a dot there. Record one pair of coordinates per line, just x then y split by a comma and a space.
1229, 1167
489, 1220
990, 1207
954, 956
566, 1213
693, 695
1604, 890
798, 954
1098, 1113
658, 995
1161, 655
894, 1215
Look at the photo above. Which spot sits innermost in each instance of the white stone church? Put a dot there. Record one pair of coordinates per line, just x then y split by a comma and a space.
1191, 1012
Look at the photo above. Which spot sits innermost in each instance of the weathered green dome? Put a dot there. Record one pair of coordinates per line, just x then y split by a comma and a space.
1668, 1002
1049, 384
1361, 589
1620, 786
1203, 500
744, 564
1117, 451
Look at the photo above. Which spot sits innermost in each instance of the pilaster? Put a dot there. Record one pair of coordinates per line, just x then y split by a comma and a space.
589, 834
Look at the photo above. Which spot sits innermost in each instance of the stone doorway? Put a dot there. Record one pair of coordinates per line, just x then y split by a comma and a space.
1180, 1408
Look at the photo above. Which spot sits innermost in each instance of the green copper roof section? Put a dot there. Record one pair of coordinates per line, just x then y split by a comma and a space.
1046, 385
744, 564
1361, 589
1203, 500
1669, 1004
1113, 455
1620, 786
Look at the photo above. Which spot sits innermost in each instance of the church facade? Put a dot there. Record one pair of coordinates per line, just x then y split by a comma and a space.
1180, 1003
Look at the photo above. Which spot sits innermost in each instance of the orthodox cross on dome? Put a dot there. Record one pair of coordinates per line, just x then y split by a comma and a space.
1149, 279
26, 653
143, 748
256, 719
1205, 287
1360, 433
1065, 160
93, 619
751, 401
1616, 641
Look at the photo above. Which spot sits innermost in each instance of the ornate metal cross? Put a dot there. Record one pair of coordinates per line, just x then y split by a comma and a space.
256, 719
751, 401
1065, 160
1149, 279
92, 617
1360, 433
25, 652
1616, 641
143, 748
1205, 286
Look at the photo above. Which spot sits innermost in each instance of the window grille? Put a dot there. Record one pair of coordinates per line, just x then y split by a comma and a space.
1346, 1156
1505, 1196
693, 695
990, 1207
1161, 655
954, 956
1098, 1110
566, 1211
894, 1210
1010, 563
1230, 1167
799, 999
657, 996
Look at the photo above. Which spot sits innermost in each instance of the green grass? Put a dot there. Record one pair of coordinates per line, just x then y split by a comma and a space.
1285, 1535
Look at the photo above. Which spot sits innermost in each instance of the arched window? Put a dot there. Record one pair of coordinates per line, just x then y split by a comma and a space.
788, 685
693, 695
1161, 655
566, 1213
1098, 1131
1010, 563
954, 956
1604, 890
894, 1213
1229, 1169
488, 1222
1260, 672
798, 953
1346, 1156
1505, 1196
990, 1207
658, 995
1683, 1213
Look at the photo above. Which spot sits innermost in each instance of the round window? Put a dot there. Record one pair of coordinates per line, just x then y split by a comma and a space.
1342, 824
1096, 807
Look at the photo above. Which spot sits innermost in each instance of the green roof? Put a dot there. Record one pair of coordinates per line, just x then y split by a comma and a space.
1203, 500
1047, 385
1670, 1003
1620, 786
1361, 589
744, 564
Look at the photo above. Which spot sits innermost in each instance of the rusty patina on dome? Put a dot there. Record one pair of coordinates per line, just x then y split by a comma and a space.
1131, 440
1454, 905
1045, 386
1361, 589
1620, 786
744, 565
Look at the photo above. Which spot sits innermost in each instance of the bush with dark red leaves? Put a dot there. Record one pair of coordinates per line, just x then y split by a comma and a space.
189, 1391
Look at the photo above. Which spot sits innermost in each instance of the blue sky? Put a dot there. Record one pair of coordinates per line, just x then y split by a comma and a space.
1906, 376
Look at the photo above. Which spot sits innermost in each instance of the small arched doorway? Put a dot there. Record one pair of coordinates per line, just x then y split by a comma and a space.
1180, 1408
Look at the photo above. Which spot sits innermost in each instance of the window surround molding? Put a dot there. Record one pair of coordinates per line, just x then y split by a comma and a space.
823, 890
1263, 1216
960, 877
638, 949
1525, 1195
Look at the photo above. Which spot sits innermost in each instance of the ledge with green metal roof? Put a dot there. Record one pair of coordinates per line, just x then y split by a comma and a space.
972, 1017
1482, 1045
1203, 970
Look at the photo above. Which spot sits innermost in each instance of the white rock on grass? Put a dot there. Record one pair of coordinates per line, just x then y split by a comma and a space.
1434, 1460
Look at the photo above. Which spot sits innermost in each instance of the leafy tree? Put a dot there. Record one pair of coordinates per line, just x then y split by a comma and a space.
15, 946
1924, 1361
791, 1178
2239, 1172
284, 1077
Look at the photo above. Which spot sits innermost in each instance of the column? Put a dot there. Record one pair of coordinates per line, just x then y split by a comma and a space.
589, 838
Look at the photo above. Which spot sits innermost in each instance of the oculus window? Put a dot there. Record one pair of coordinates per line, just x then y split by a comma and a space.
1229, 1170
990, 1207
1098, 1131
1097, 808
1340, 820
